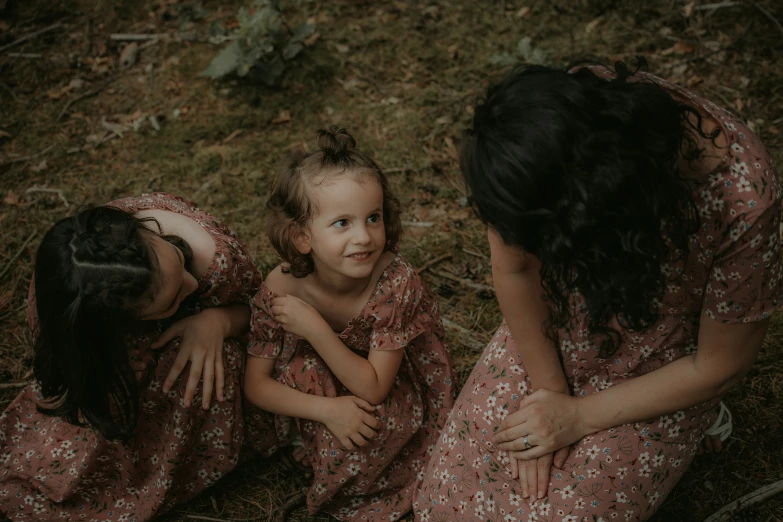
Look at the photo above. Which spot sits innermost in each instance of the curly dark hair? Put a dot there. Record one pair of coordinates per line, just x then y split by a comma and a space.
583, 172
290, 209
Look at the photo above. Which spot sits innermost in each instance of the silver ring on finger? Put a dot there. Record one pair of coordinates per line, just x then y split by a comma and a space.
526, 442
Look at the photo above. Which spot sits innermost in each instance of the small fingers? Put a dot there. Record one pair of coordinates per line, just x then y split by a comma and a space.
358, 439
171, 333
176, 368
366, 406
514, 465
544, 467
346, 442
531, 471
209, 382
367, 431
561, 456
220, 378
371, 421
196, 365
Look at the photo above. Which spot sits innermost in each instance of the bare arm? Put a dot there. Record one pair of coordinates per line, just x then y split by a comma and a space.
518, 287
268, 394
371, 378
725, 354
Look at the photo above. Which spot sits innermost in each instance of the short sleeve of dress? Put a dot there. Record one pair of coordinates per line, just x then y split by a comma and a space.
402, 308
266, 335
746, 278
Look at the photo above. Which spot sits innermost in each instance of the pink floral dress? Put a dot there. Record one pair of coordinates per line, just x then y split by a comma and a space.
52, 470
733, 274
375, 482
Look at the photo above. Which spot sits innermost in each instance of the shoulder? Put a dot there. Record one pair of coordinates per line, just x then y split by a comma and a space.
282, 283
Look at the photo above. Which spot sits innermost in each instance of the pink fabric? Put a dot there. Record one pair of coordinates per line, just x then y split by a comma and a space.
51, 470
733, 274
375, 482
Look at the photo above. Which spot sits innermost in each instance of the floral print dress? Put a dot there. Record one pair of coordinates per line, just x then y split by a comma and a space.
375, 482
733, 274
52, 470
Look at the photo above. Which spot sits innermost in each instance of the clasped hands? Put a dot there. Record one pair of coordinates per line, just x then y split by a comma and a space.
539, 435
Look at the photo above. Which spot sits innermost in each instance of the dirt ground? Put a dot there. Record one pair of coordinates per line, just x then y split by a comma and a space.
76, 129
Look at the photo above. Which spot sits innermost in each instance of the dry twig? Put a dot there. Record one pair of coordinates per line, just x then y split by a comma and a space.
45, 190
31, 36
83, 96
11, 385
754, 497
294, 501
470, 284
18, 254
767, 14
27, 158
432, 262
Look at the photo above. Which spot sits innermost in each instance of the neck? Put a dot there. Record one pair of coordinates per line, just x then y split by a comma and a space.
339, 284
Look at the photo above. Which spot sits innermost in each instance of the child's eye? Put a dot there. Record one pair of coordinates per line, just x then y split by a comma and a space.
340, 223
375, 218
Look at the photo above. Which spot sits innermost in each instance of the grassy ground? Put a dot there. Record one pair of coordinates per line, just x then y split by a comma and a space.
401, 76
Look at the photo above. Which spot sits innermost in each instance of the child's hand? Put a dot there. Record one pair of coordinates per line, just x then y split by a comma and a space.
202, 344
350, 419
297, 317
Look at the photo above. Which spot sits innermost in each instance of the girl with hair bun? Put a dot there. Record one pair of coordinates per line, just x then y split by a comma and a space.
346, 340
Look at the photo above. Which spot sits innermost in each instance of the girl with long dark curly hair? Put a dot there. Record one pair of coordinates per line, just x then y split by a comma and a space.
634, 231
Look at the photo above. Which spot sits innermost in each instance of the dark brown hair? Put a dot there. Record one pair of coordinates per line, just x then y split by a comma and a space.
290, 209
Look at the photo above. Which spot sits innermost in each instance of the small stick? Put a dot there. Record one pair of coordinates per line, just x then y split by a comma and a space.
431, 262
468, 338
422, 224
83, 96
27, 158
767, 14
31, 36
714, 6
741, 503
25, 55
199, 517
121, 37
296, 500
474, 254
11, 385
18, 254
59, 192
465, 282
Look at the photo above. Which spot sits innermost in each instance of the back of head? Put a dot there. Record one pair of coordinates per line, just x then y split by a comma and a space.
581, 171
290, 208
92, 272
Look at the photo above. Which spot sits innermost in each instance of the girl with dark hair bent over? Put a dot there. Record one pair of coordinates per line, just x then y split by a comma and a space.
108, 431
634, 230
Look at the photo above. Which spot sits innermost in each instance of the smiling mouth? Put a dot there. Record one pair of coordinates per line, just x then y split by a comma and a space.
360, 256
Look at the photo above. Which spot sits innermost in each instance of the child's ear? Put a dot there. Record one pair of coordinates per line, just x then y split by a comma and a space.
301, 240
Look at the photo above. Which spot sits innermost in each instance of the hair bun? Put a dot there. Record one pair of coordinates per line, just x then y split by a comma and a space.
335, 142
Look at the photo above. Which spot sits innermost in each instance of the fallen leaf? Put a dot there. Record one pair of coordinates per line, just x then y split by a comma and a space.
38, 168
232, 135
773, 129
11, 199
310, 40
6, 298
687, 10
739, 104
590, 27
453, 51
3, 26
4, 134
451, 150
681, 47
342, 48
283, 117
523, 12
694, 80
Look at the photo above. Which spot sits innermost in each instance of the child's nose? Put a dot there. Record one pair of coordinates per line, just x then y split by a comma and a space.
362, 236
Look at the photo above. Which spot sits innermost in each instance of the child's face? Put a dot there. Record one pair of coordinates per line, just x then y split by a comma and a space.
347, 235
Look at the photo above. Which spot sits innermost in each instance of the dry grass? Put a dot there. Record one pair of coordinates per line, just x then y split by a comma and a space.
401, 76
